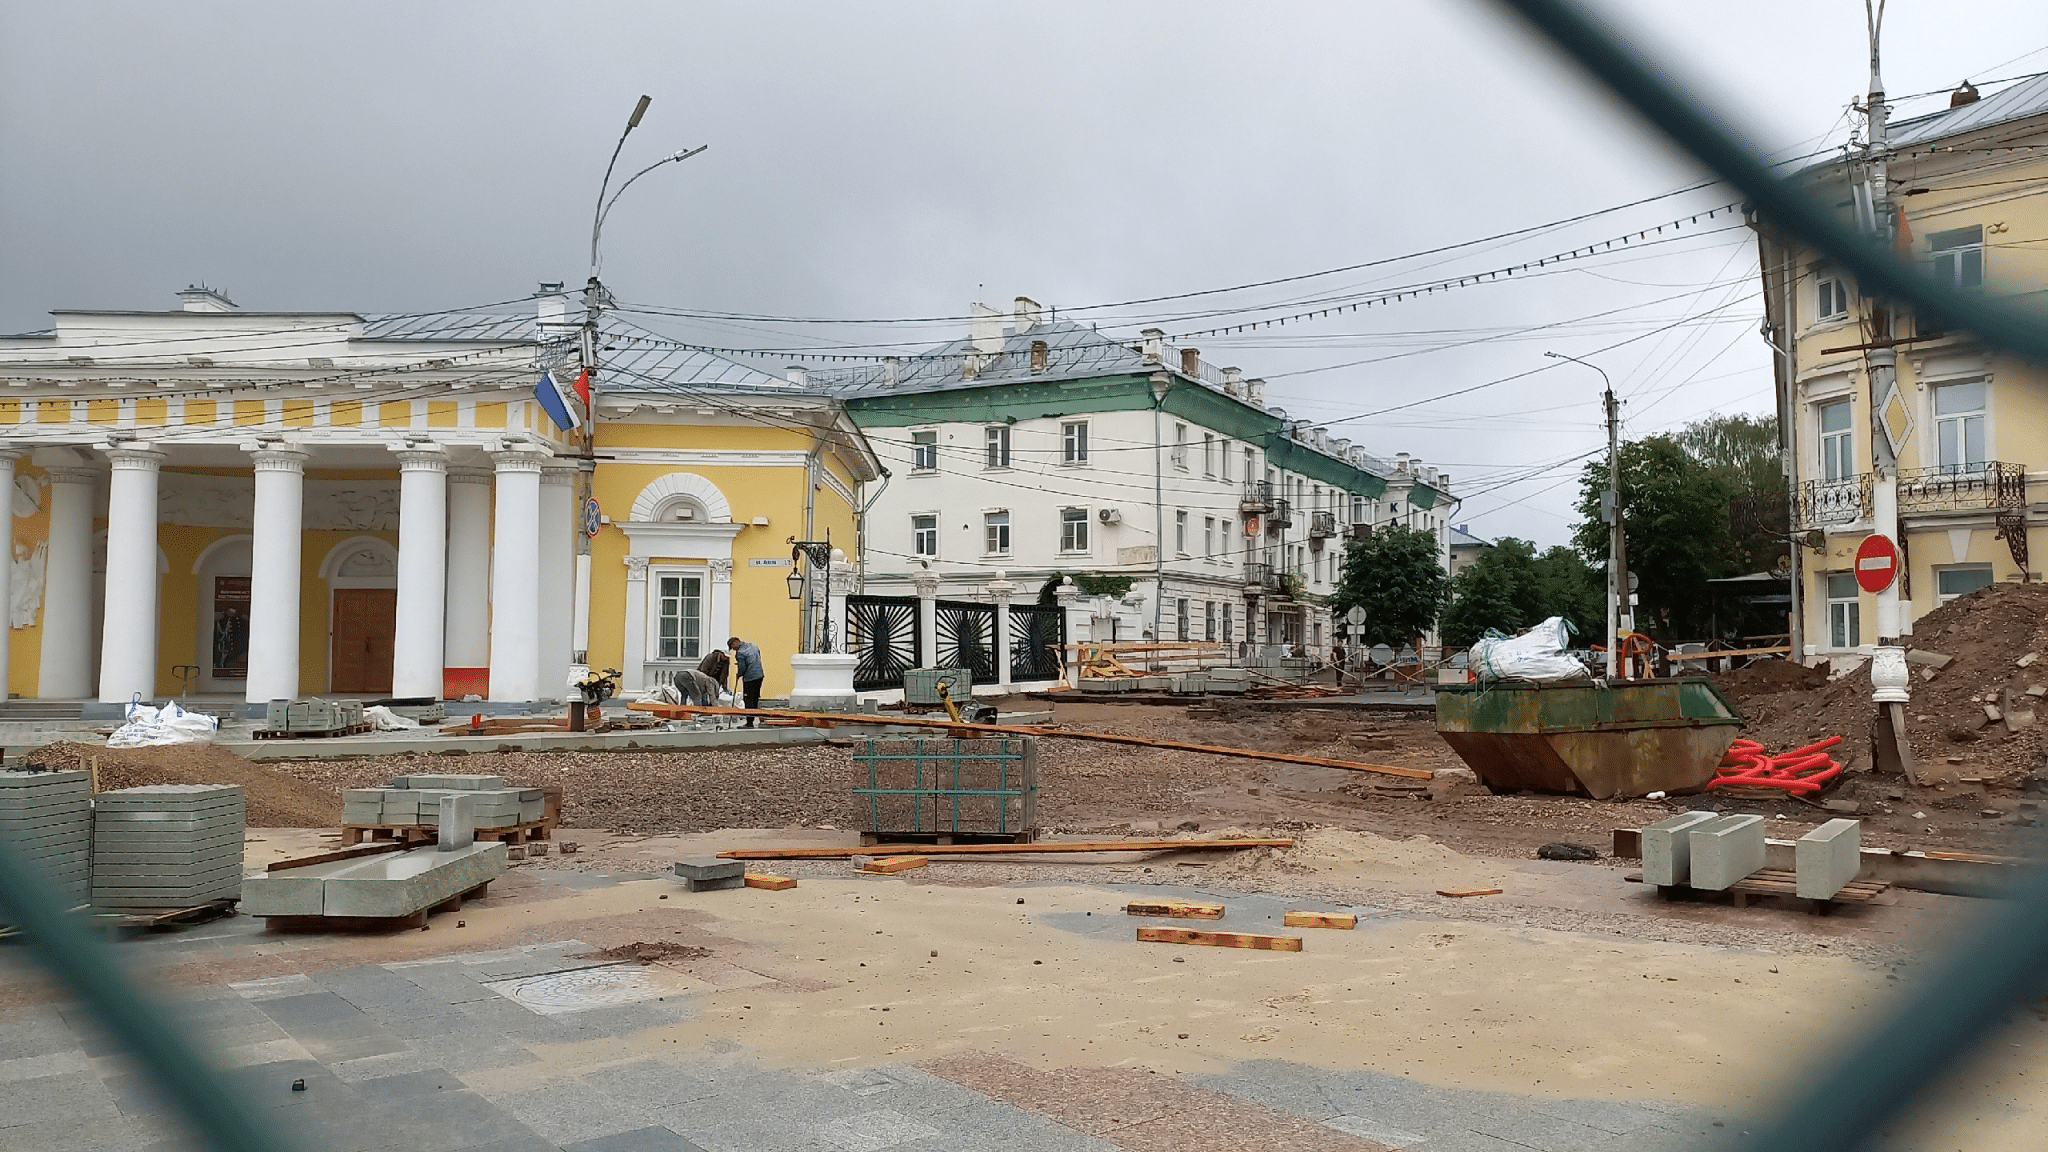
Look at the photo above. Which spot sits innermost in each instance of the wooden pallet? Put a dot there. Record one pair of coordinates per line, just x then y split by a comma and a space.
288, 734
939, 838
197, 914
1777, 882
373, 923
411, 834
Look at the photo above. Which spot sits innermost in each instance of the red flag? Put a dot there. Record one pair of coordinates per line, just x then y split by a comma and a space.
583, 377
1904, 236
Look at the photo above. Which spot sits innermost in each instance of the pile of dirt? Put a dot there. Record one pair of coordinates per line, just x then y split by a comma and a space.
645, 952
1768, 677
1986, 636
274, 798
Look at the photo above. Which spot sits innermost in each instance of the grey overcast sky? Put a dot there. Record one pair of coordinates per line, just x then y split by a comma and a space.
899, 159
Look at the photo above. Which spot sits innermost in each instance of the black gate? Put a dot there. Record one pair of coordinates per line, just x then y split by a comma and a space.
1038, 640
967, 638
883, 632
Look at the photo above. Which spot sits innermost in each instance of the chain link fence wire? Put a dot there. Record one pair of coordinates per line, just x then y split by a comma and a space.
2001, 961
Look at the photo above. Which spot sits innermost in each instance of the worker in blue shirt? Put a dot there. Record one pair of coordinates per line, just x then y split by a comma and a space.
748, 658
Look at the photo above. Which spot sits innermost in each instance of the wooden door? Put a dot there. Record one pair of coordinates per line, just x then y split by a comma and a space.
365, 622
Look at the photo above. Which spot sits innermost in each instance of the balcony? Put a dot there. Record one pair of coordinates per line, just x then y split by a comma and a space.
1282, 516
1257, 498
1969, 487
1322, 525
1827, 502
1263, 577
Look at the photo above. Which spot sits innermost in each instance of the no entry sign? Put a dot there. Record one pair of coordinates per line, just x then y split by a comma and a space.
1877, 562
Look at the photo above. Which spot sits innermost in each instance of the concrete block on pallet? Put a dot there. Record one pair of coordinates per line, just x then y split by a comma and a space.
449, 782
457, 821
1666, 851
709, 868
1826, 859
1725, 850
402, 883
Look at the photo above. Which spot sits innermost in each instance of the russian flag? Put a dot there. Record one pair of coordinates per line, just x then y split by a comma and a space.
554, 400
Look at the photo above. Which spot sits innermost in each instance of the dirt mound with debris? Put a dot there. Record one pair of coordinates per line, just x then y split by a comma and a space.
1416, 864
1768, 677
647, 952
1979, 706
274, 798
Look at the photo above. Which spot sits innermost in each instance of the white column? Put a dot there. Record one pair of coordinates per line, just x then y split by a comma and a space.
467, 642
633, 652
274, 571
64, 669
838, 586
128, 644
927, 585
557, 617
416, 649
1001, 590
515, 576
7, 458
1070, 658
721, 603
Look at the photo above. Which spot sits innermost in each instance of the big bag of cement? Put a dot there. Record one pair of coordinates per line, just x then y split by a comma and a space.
1538, 654
385, 720
149, 727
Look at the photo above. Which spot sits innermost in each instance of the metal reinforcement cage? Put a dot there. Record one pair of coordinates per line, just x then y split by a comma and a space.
978, 788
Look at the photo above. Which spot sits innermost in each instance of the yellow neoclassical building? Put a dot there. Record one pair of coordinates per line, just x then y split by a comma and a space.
222, 502
1966, 192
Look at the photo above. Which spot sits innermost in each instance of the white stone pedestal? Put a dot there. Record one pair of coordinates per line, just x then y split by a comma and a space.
824, 682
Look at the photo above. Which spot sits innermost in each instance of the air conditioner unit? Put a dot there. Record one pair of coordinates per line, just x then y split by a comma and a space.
1109, 515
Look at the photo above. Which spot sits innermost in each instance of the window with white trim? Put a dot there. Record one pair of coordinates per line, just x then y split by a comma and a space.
1959, 256
1223, 458
995, 532
1959, 425
1180, 533
1960, 580
924, 451
1226, 622
678, 616
1830, 299
1837, 445
997, 439
1180, 447
1073, 529
1845, 611
924, 535
1209, 621
1074, 442
1180, 616
1208, 454
1209, 537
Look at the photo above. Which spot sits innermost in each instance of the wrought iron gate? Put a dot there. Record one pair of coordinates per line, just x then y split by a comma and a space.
1038, 638
883, 632
967, 638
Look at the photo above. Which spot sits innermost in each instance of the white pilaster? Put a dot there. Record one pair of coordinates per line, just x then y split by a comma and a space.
926, 583
1070, 658
416, 650
64, 669
128, 643
633, 653
274, 570
721, 602
468, 612
557, 617
838, 586
7, 458
515, 575
1001, 590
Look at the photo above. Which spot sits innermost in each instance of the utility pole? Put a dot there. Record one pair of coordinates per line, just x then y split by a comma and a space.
1620, 613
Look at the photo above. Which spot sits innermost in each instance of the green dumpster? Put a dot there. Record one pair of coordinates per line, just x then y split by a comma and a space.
1622, 739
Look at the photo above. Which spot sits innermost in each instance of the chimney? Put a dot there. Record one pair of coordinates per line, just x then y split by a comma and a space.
1040, 356
1322, 436
1967, 94
1299, 429
551, 309
1401, 462
1233, 381
1341, 448
1443, 481
799, 376
1191, 362
985, 329
1029, 314
1255, 391
892, 370
1155, 345
200, 298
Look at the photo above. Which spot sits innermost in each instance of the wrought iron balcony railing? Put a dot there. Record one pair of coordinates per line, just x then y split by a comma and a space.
1966, 487
1256, 498
1825, 502
1322, 525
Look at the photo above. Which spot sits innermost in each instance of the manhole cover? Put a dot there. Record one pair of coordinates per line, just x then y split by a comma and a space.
603, 987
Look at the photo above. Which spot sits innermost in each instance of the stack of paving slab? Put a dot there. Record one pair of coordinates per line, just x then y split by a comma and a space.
47, 818
167, 846
383, 886
416, 799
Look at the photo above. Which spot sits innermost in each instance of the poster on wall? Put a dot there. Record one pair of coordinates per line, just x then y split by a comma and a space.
230, 627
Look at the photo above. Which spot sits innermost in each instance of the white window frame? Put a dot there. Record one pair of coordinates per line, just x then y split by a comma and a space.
1830, 298
1074, 531
924, 458
1180, 532
1073, 442
918, 530
1181, 618
655, 575
995, 445
1180, 446
1208, 538
1223, 472
1844, 612
995, 532
1837, 448
1961, 423
1209, 454
1942, 597
1958, 260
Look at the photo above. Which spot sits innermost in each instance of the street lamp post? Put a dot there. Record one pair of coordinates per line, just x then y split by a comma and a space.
805, 557
1620, 614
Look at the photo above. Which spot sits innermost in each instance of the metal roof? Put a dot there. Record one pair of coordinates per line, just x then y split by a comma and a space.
644, 358
1071, 350
2027, 98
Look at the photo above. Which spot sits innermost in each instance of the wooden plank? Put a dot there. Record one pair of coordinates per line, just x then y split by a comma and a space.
1319, 920
890, 864
833, 720
343, 854
1462, 892
1184, 909
997, 849
1780, 650
1152, 934
770, 882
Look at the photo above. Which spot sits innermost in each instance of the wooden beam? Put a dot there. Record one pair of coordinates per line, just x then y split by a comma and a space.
1319, 920
1183, 909
998, 849
378, 848
1468, 892
770, 882
836, 719
889, 864
1157, 935
1780, 650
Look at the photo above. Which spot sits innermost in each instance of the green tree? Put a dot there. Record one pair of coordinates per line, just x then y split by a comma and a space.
1511, 587
1397, 576
1567, 586
1483, 596
1675, 521
1743, 452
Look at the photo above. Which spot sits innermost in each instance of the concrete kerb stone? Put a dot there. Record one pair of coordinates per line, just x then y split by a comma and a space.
1667, 859
710, 874
1828, 858
1725, 850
